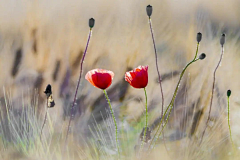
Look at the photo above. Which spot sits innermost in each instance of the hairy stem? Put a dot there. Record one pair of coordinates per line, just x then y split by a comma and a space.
229, 123
213, 86
170, 106
146, 121
44, 122
79, 80
159, 75
115, 122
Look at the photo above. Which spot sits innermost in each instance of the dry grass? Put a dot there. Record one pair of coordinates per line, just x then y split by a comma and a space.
52, 31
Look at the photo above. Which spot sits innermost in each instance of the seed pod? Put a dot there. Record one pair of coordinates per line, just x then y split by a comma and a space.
229, 93
222, 39
149, 10
91, 22
202, 56
199, 37
48, 90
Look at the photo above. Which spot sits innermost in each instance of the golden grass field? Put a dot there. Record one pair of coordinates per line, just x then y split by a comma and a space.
42, 42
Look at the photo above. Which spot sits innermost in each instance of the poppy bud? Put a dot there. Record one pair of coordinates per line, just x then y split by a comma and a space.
202, 56
48, 90
91, 22
149, 10
199, 37
222, 39
229, 93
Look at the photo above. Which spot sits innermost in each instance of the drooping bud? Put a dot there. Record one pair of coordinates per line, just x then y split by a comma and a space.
229, 93
48, 90
199, 37
91, 22
202, 56
222, 39
149, 10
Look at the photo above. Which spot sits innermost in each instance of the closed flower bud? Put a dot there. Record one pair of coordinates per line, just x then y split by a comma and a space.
202, 56
91, 22
199, 37
229, 93
222, 39
149, 10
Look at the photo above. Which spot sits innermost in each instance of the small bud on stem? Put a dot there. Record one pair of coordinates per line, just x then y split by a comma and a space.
229, 93
199, 37
91, 22
222, 40
149, 10
202, 56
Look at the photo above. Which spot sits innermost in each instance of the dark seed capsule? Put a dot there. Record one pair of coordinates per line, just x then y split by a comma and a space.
48, 90
91, 22
202, 56
222, 39
149, 10
199, 37
229, 93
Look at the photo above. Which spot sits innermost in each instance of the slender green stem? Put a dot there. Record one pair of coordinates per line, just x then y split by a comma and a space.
146, 122
229, 123
114, 119
170, 106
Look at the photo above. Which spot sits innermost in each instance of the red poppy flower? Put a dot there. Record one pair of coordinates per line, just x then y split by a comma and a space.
138, 78
100, 78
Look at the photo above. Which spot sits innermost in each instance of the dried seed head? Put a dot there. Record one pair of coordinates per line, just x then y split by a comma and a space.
48, 90
202, 56
222, 39
149, 10
199, 37
229, 93
91, 22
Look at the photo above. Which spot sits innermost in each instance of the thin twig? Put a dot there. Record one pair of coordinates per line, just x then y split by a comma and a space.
213, 86
75, 96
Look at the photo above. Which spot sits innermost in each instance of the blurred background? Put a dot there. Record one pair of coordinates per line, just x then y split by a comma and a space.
42, 42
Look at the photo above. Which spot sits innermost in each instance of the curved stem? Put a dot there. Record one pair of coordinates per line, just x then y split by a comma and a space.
229, 123
44, 122
173, 99
159, 75
80, 75
115, 122
213, 86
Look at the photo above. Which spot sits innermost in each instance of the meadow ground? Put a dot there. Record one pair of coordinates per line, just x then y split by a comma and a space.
42, 42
